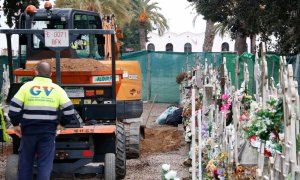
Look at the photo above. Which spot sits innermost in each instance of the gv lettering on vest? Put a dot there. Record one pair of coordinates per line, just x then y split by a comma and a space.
36, 90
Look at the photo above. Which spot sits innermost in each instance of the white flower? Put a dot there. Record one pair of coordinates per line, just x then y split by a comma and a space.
281, 136
257, 124
267, 121
166, 167
187, 138
188, 129
177, 178
171, 175
221, 177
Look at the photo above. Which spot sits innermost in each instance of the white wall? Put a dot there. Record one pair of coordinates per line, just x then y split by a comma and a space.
196, 40
178, 41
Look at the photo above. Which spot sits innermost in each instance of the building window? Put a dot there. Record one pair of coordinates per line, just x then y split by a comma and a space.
169, 47
151, 47
225, 46
187, 47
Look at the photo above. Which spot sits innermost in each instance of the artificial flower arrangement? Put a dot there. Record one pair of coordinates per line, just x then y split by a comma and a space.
266, 125
227, 107
216, 167
186, 116
246, 101
243, 172
167, 174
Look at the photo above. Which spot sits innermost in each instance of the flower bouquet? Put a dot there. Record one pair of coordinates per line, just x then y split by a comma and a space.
167, 174
266, 125
216, 167
227, 107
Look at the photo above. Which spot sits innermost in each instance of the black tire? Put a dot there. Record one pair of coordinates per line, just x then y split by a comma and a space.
132, 131
12, 163
120, 151
110, 166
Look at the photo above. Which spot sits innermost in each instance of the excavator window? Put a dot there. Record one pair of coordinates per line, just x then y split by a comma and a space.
86, 45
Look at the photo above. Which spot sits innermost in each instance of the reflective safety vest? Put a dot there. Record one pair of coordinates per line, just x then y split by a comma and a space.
36, 106
3, 134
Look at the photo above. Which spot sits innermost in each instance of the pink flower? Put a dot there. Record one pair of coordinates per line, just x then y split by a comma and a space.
225, 96
227, 114
225, 107
222, 109
243, 117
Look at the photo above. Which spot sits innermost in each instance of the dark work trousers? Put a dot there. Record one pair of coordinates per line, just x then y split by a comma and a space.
40, 146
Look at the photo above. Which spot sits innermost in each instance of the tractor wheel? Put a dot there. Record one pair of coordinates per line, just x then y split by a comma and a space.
110, 166
120, 151
12, 163
132, 131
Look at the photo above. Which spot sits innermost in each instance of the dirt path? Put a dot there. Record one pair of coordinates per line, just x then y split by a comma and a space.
162, 144
7, 148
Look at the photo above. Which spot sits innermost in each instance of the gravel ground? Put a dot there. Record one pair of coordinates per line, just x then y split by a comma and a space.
7, 148
148, 166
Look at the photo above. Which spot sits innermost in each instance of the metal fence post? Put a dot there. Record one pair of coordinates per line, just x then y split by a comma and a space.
148, 76
296, 74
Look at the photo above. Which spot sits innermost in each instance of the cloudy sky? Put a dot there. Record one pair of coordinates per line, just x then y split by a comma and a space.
180, 16
178, 13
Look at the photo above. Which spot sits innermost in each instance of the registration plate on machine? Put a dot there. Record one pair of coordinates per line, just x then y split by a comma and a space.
89, 129
85, 130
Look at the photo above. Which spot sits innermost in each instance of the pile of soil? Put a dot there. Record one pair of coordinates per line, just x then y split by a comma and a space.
161, 140
83, 64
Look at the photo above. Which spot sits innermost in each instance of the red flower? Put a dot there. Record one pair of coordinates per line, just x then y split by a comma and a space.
268, 153
216, 172
253, 138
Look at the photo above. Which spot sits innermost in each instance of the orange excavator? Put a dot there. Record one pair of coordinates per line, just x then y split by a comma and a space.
106, 129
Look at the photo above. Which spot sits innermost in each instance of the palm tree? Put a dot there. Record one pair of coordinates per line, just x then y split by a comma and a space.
149, 19
211, 30
120, 8
209, 36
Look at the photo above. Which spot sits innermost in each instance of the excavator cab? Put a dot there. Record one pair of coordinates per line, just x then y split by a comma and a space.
85, 45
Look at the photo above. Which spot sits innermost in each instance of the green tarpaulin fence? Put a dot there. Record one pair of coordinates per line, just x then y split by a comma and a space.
165, 66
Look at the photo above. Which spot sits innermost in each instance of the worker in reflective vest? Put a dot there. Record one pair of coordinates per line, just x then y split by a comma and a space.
34, 114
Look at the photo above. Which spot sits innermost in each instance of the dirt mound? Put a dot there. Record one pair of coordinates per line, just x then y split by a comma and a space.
161, 139
67, 64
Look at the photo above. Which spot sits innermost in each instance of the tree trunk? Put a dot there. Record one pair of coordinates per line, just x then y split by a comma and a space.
240, 45
209, 36
142, 36
253, 43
